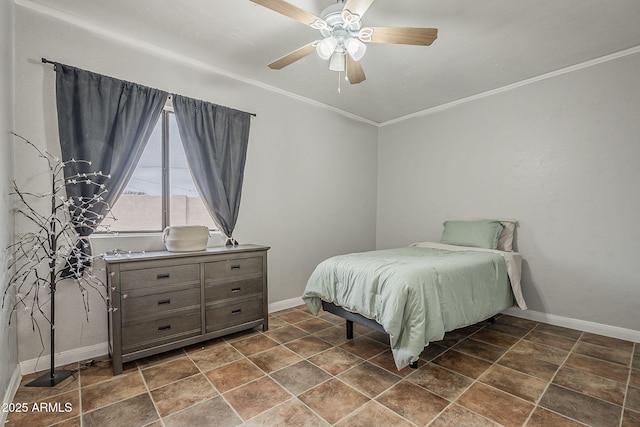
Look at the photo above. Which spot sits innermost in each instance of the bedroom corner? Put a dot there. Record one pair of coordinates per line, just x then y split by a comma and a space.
9, 374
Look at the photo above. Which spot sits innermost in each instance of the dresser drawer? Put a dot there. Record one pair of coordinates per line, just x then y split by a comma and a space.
149, 334
159, 303
232, 269
240, 288
232, 314
158, 277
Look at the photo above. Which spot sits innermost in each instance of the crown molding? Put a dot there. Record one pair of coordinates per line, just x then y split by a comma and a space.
572, 68
175, 56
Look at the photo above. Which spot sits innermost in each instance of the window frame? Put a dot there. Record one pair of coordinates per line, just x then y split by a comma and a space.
165, 180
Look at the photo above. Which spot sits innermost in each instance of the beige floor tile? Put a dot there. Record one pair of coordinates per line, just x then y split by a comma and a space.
529, 365
335, 360
495, 338
254, 344
591, 385
619, 356
308, 346
212, 412
543, 418
374, 414
215, 357
256, 397
369, 379
137, 411
290, 413
174, 370
113, 390
598, 367
457, 416
461, 363
580, 407
300, 377
385, 360
364, 347
517, 383
441, 381
552, 340
412, 402
496, 405
540, 351
333, 400
275, 358
182, 394
234, 375
483, 350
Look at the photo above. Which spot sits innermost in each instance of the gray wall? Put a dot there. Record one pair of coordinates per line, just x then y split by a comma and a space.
310, 179
561, 156
8, 343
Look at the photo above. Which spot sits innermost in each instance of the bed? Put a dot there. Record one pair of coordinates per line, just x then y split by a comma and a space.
417, 293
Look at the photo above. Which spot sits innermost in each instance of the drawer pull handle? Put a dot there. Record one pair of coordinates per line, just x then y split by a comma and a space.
164, 302
164, 328
235, 290
163, 276
238, 311
235, 267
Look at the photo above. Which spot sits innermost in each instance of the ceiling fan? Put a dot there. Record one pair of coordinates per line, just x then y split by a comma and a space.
343, 36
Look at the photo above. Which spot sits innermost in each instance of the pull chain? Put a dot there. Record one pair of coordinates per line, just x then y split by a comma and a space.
339, 82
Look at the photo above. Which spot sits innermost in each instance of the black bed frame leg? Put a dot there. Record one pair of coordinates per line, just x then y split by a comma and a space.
349, 329
492, 319
413, 365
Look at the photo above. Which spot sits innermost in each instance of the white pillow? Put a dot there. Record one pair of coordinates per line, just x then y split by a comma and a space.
505, 240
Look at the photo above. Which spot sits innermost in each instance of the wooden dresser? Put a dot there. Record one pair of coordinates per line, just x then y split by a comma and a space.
166, 300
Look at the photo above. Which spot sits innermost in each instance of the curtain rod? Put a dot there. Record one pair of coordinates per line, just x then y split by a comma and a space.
46, 61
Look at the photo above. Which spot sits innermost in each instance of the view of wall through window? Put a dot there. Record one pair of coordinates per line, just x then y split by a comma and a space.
140, 207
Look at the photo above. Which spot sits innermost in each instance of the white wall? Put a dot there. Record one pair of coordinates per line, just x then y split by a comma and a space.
8, 343
561, 156
310, 178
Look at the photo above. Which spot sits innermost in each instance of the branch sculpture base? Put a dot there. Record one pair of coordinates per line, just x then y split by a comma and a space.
49, 380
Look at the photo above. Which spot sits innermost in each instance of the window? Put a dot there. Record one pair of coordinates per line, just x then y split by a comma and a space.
152, 199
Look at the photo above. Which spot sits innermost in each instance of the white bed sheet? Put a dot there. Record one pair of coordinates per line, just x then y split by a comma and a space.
512, 259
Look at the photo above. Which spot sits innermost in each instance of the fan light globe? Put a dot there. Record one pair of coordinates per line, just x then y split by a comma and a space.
355, 48
326, 47
337, 62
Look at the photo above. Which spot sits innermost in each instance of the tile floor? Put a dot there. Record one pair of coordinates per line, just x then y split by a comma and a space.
304, 372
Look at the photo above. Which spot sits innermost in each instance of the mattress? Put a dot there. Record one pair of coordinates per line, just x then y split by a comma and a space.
418, 293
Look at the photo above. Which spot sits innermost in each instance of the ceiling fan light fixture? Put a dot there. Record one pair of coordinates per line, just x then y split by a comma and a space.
326, 47
337, 61
355, 48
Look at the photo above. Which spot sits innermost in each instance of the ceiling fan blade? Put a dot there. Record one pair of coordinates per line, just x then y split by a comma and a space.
417, 36
292, 12
357, 7
355, 73
293, 56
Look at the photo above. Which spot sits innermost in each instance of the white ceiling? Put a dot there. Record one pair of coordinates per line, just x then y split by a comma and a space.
481, 45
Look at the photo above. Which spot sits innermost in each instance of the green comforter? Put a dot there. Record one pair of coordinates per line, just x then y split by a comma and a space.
417, 294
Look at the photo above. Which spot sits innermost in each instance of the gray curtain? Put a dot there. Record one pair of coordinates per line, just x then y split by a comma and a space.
108, 122
215, 140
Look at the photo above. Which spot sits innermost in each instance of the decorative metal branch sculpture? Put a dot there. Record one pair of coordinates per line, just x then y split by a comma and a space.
53, 250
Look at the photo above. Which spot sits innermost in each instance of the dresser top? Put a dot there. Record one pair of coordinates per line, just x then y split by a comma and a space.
145, 256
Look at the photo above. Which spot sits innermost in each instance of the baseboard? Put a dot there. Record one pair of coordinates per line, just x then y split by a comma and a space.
10, 393
64, 358
582, 325
283, 305
84, 353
